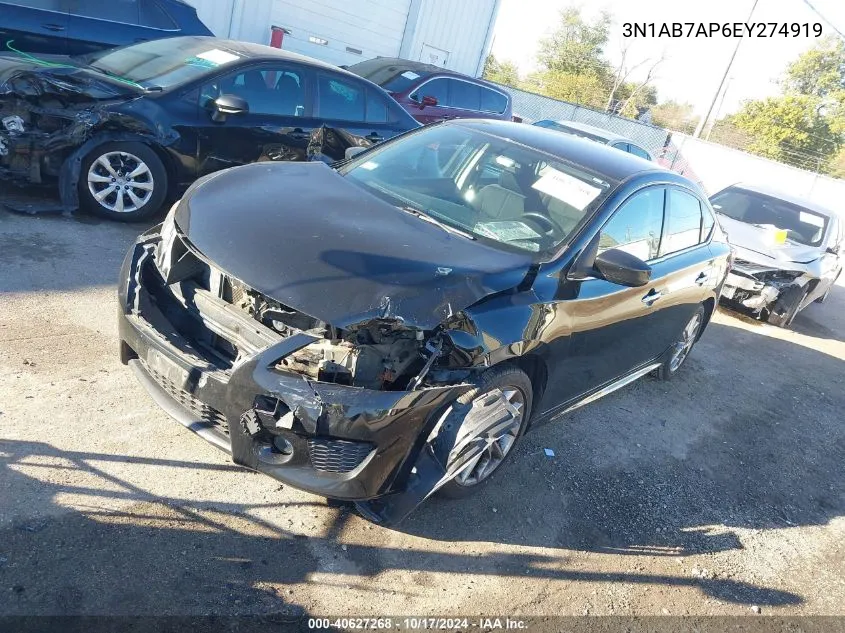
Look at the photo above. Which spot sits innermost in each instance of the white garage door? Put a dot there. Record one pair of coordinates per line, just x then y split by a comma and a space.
342, 31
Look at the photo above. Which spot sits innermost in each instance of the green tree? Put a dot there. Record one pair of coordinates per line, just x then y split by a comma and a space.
789, 129
819, 72
584, 88
576, 46
503, 72
675, 116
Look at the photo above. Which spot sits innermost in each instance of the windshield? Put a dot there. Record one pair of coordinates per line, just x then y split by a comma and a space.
162, 63
391, 77
487, 187
802, 225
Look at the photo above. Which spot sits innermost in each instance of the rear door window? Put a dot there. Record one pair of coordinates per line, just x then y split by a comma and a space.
123, 11
464, 95
153, 16
340, 99
683, 222
493, 101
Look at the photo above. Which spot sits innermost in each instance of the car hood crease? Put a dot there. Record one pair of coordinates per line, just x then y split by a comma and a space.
304, 235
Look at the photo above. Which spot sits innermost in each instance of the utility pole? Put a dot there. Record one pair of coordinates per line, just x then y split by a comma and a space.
706, 117
718, 109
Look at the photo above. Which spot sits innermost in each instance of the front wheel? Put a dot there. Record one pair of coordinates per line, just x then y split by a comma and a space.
121, 181
683, 346
787, 306
481, 428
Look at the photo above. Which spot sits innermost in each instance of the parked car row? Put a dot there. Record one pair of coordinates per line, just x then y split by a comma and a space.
385, 326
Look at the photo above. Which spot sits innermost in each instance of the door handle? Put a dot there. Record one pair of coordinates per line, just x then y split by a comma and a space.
702, 278
374, 137
53, 27
652, 296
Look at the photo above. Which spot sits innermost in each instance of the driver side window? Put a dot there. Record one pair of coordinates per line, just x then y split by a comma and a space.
636, 226
279, 91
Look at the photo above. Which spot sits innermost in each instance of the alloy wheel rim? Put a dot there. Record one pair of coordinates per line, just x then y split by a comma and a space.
495, 442
684, 345
120, 182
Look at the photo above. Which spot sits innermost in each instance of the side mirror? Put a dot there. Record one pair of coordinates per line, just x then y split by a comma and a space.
227, 105
428, 100
351, 152
833, 250
619, 267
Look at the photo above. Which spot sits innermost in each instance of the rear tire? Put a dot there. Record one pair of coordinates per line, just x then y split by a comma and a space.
683, 346
508, 382
122, 181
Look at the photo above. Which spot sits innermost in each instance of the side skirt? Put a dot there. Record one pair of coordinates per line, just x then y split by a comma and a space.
602, 392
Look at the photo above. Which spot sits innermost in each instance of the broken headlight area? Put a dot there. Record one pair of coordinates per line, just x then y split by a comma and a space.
209, 308
757, 287
381, 355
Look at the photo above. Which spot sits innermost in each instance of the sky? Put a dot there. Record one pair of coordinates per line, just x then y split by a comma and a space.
693, 67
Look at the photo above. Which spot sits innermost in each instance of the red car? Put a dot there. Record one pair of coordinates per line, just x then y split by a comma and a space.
430, 93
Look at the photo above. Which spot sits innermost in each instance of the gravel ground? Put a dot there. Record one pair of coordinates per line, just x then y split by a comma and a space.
713, 494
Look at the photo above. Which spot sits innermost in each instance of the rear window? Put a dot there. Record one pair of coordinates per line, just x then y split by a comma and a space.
493, 101
391, 77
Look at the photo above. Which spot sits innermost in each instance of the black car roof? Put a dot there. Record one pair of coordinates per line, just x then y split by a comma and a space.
260, 52
598, 158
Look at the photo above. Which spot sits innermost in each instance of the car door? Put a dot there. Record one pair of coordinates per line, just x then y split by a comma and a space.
94, 24
344, 103
277, 126
438, 88
685, 264
34, 26
613, 328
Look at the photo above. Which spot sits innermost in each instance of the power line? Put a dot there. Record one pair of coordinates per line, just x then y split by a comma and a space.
828, 22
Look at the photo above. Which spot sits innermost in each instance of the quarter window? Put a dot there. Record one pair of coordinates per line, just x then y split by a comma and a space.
341, 100
683, 222
636, 227
638, 151
276, 91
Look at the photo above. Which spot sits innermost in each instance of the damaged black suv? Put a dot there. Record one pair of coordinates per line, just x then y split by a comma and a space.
389, 327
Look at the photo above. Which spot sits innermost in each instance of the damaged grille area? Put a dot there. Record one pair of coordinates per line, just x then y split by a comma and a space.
337, 456
202, 411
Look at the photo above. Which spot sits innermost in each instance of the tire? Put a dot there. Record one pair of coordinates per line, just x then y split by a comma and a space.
490, 387
682, 347
104, 170
787, 306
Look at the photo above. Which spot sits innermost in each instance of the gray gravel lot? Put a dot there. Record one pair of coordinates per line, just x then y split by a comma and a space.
721, 490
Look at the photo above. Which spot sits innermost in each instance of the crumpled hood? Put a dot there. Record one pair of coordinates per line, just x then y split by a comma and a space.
27, 79
756, 244
309, 238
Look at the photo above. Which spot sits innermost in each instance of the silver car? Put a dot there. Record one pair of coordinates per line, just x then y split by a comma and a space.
787, 252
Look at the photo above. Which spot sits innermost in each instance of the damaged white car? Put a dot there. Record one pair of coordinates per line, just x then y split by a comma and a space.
787, 252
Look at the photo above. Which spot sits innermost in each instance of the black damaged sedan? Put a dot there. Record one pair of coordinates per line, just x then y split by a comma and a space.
390, 327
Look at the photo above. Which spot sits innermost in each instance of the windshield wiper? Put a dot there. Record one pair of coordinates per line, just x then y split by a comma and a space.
427, 218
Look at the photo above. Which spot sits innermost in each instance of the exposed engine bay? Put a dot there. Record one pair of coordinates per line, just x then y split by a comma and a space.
376, 355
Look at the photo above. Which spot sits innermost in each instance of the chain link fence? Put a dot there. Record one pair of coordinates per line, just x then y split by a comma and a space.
533, 107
